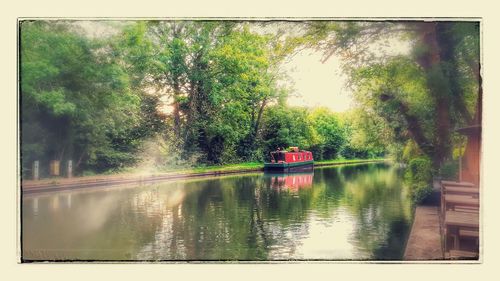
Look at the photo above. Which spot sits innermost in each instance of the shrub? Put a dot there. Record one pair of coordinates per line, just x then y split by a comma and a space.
410, 151
420, 169
420, 191
449, 170
419, 177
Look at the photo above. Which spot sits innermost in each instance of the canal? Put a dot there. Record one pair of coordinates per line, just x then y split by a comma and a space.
356, 212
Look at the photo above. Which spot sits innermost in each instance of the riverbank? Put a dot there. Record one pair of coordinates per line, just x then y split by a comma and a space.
56, 184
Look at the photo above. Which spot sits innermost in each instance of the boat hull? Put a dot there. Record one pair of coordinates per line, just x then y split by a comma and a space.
289, 166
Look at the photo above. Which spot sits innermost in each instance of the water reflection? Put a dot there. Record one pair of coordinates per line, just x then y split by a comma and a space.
290, 182
352, 212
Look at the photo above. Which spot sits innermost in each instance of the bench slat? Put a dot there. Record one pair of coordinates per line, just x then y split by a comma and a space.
463, 254
454, 218
468, 233
456, 183
460, 189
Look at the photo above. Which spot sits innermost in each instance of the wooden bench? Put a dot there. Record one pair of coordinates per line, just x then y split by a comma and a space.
453, 200
447, 191
457, 183
467, 209
460, 190
460, 214
456, 254
464, 234
462, 219
468, 233
456, 202
464, 225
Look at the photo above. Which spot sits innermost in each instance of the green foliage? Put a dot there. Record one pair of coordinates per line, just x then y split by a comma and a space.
381, 89
449, 170
219, 80
321, 131
420, 191
420, 169
410, 151
420, 95
419, 176
332, 136
284, 127
367, 136
101, 101
77, 101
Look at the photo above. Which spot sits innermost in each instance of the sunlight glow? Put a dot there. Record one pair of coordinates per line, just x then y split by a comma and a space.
317, 84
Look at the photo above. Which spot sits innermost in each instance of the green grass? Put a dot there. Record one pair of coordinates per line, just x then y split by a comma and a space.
229, 167
258, 165
347, 161
240, 167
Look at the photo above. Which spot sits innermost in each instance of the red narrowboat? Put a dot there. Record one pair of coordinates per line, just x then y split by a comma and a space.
291, 159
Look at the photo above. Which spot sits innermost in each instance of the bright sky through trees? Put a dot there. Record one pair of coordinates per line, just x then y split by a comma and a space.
317, 84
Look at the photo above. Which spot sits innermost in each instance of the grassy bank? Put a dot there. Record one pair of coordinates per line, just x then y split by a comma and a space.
228, 167
251, 166
176, 173
346, 161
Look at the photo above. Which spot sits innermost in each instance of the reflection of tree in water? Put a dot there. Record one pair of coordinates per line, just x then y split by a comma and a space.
216, 222
285, 212
244, 217
383, 214
236, 218
393, 246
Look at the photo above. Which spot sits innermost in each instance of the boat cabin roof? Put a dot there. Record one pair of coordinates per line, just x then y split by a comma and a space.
284, 151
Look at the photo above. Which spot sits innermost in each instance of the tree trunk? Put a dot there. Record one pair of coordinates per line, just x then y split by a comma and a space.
176, 112
447, 45
80, 159
438, 84
478, 114
414, 128
259, 116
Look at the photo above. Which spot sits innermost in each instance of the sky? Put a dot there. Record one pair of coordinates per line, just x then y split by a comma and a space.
317, 84
323, 84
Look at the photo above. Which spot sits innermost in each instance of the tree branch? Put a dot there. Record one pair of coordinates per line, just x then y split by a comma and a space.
414, 127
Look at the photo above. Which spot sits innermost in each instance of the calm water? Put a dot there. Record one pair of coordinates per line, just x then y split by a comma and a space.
336, 213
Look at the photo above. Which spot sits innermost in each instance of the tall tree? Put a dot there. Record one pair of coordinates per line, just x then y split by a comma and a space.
439, 75
220, 77
76, 99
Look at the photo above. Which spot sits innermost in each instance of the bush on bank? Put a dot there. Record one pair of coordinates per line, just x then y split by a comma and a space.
419, 177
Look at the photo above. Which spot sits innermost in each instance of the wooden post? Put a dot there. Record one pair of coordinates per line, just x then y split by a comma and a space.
36, 167
460, 168
54, 168
35, 205
70, 169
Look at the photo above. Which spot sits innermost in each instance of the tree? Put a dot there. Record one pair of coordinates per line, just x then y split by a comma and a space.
332, 136
288, 126
220, 77
247, 71
436, 76
76, 99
